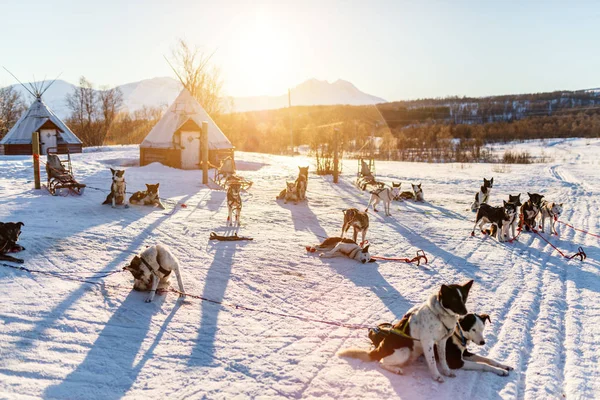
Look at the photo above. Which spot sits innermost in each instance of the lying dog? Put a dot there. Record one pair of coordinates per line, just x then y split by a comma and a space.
431, 324
551, 211
234, 203
530, 210
152, 268
358, 220
416, 194
9, 234
117, 189
302, 182
499, 217
384, 195
347, 247
483, 195
150, 197
289, 193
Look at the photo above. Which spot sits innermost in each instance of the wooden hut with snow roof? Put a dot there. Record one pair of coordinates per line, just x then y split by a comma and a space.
175, 140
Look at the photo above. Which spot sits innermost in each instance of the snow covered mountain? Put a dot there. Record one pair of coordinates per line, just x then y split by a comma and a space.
162, 91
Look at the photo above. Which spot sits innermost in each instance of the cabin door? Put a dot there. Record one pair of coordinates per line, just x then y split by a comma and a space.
47, 140
190, 153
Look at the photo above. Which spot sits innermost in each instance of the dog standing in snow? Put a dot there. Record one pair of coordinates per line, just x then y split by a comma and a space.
396, 191
151, 270
358, 220
550, 210
234, 203
431, 323
497, 216
382, 194
514, 221
347, 247
149, 197
483, 196
530, 210
117, 189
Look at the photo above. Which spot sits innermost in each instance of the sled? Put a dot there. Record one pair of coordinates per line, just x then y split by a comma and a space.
60, 174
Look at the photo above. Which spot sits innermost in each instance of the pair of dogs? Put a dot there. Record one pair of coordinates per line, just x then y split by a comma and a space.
295, 191
439, 329
118, 189
9, 235
386, 195
536, 207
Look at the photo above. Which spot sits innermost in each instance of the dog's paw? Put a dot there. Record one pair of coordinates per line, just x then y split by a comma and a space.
439, 379
449, 373
507, 367
501, 372
149, 300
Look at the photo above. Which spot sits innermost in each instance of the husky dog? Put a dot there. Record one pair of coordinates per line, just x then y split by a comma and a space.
358, 220
530, 210
416, 194
551, 211
117, 189
9, 234
302, 182
396, 191
499, 217
234, 203
431, 323
384, 195
483, 195
151, 270
150, 197
512, 224
328, 244
344, 247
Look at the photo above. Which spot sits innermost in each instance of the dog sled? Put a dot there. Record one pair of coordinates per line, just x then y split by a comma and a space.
366, 175
60, 175
225, 175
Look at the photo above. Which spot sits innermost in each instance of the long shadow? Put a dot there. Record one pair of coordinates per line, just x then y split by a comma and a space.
215, 285
106, 374
304, 218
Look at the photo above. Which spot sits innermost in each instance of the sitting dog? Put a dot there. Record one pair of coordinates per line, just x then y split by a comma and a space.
483, 195
9, 234
431, 324
514, 221
530, 210
396, 191
234, 203
551, 211
150, 197
117, 189
499, 217
302, 182
337, 245
151, 270
382, 194
291, 193
358, 220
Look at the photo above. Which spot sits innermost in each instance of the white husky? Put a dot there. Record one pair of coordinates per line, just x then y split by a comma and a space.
551, 211
384, 195
151, 270
350, 250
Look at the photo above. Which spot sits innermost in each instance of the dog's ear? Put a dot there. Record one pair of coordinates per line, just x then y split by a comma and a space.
466, 287
561, 204
147, 186
528, 194
157, 185
112, 171
483, 317
492, 180
366, 249
419, 186
372, 260
504, 201
20, 224
444, 290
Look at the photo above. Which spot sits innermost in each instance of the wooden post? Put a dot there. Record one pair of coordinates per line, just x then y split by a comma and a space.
290, 115
336, 170
35, 143
204, 147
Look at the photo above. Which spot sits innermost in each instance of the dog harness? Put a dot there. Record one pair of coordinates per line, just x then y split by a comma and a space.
160, 268
388, 329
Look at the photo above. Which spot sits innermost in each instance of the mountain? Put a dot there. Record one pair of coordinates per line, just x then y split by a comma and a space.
309, 93
157, 92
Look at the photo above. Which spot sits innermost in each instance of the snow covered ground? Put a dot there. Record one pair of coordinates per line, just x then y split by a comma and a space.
71, 340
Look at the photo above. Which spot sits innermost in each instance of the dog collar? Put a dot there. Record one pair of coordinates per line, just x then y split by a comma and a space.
462, 336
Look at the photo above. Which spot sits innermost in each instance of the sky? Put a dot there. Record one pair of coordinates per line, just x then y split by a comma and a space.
396, 50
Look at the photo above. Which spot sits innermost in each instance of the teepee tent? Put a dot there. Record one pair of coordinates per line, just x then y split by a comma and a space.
175, 139
54, 135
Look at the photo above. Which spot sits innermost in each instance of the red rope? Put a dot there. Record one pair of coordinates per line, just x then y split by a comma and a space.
577, 229
420, 255
581, 254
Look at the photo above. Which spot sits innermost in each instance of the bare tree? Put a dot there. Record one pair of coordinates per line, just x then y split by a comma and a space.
11, 108
83, 102
111, 100
199, 76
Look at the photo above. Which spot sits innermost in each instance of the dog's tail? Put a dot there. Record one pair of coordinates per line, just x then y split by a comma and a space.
361, 354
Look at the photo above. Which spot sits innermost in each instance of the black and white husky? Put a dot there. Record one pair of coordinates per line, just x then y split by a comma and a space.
483, 196
234, 204
149, 197
152, 268
9, 234
117, 189
302, 182
334, 246
499, 217
416, 194
550, 210
530, 211
514, 221
358, 220
383, 195
431, 323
